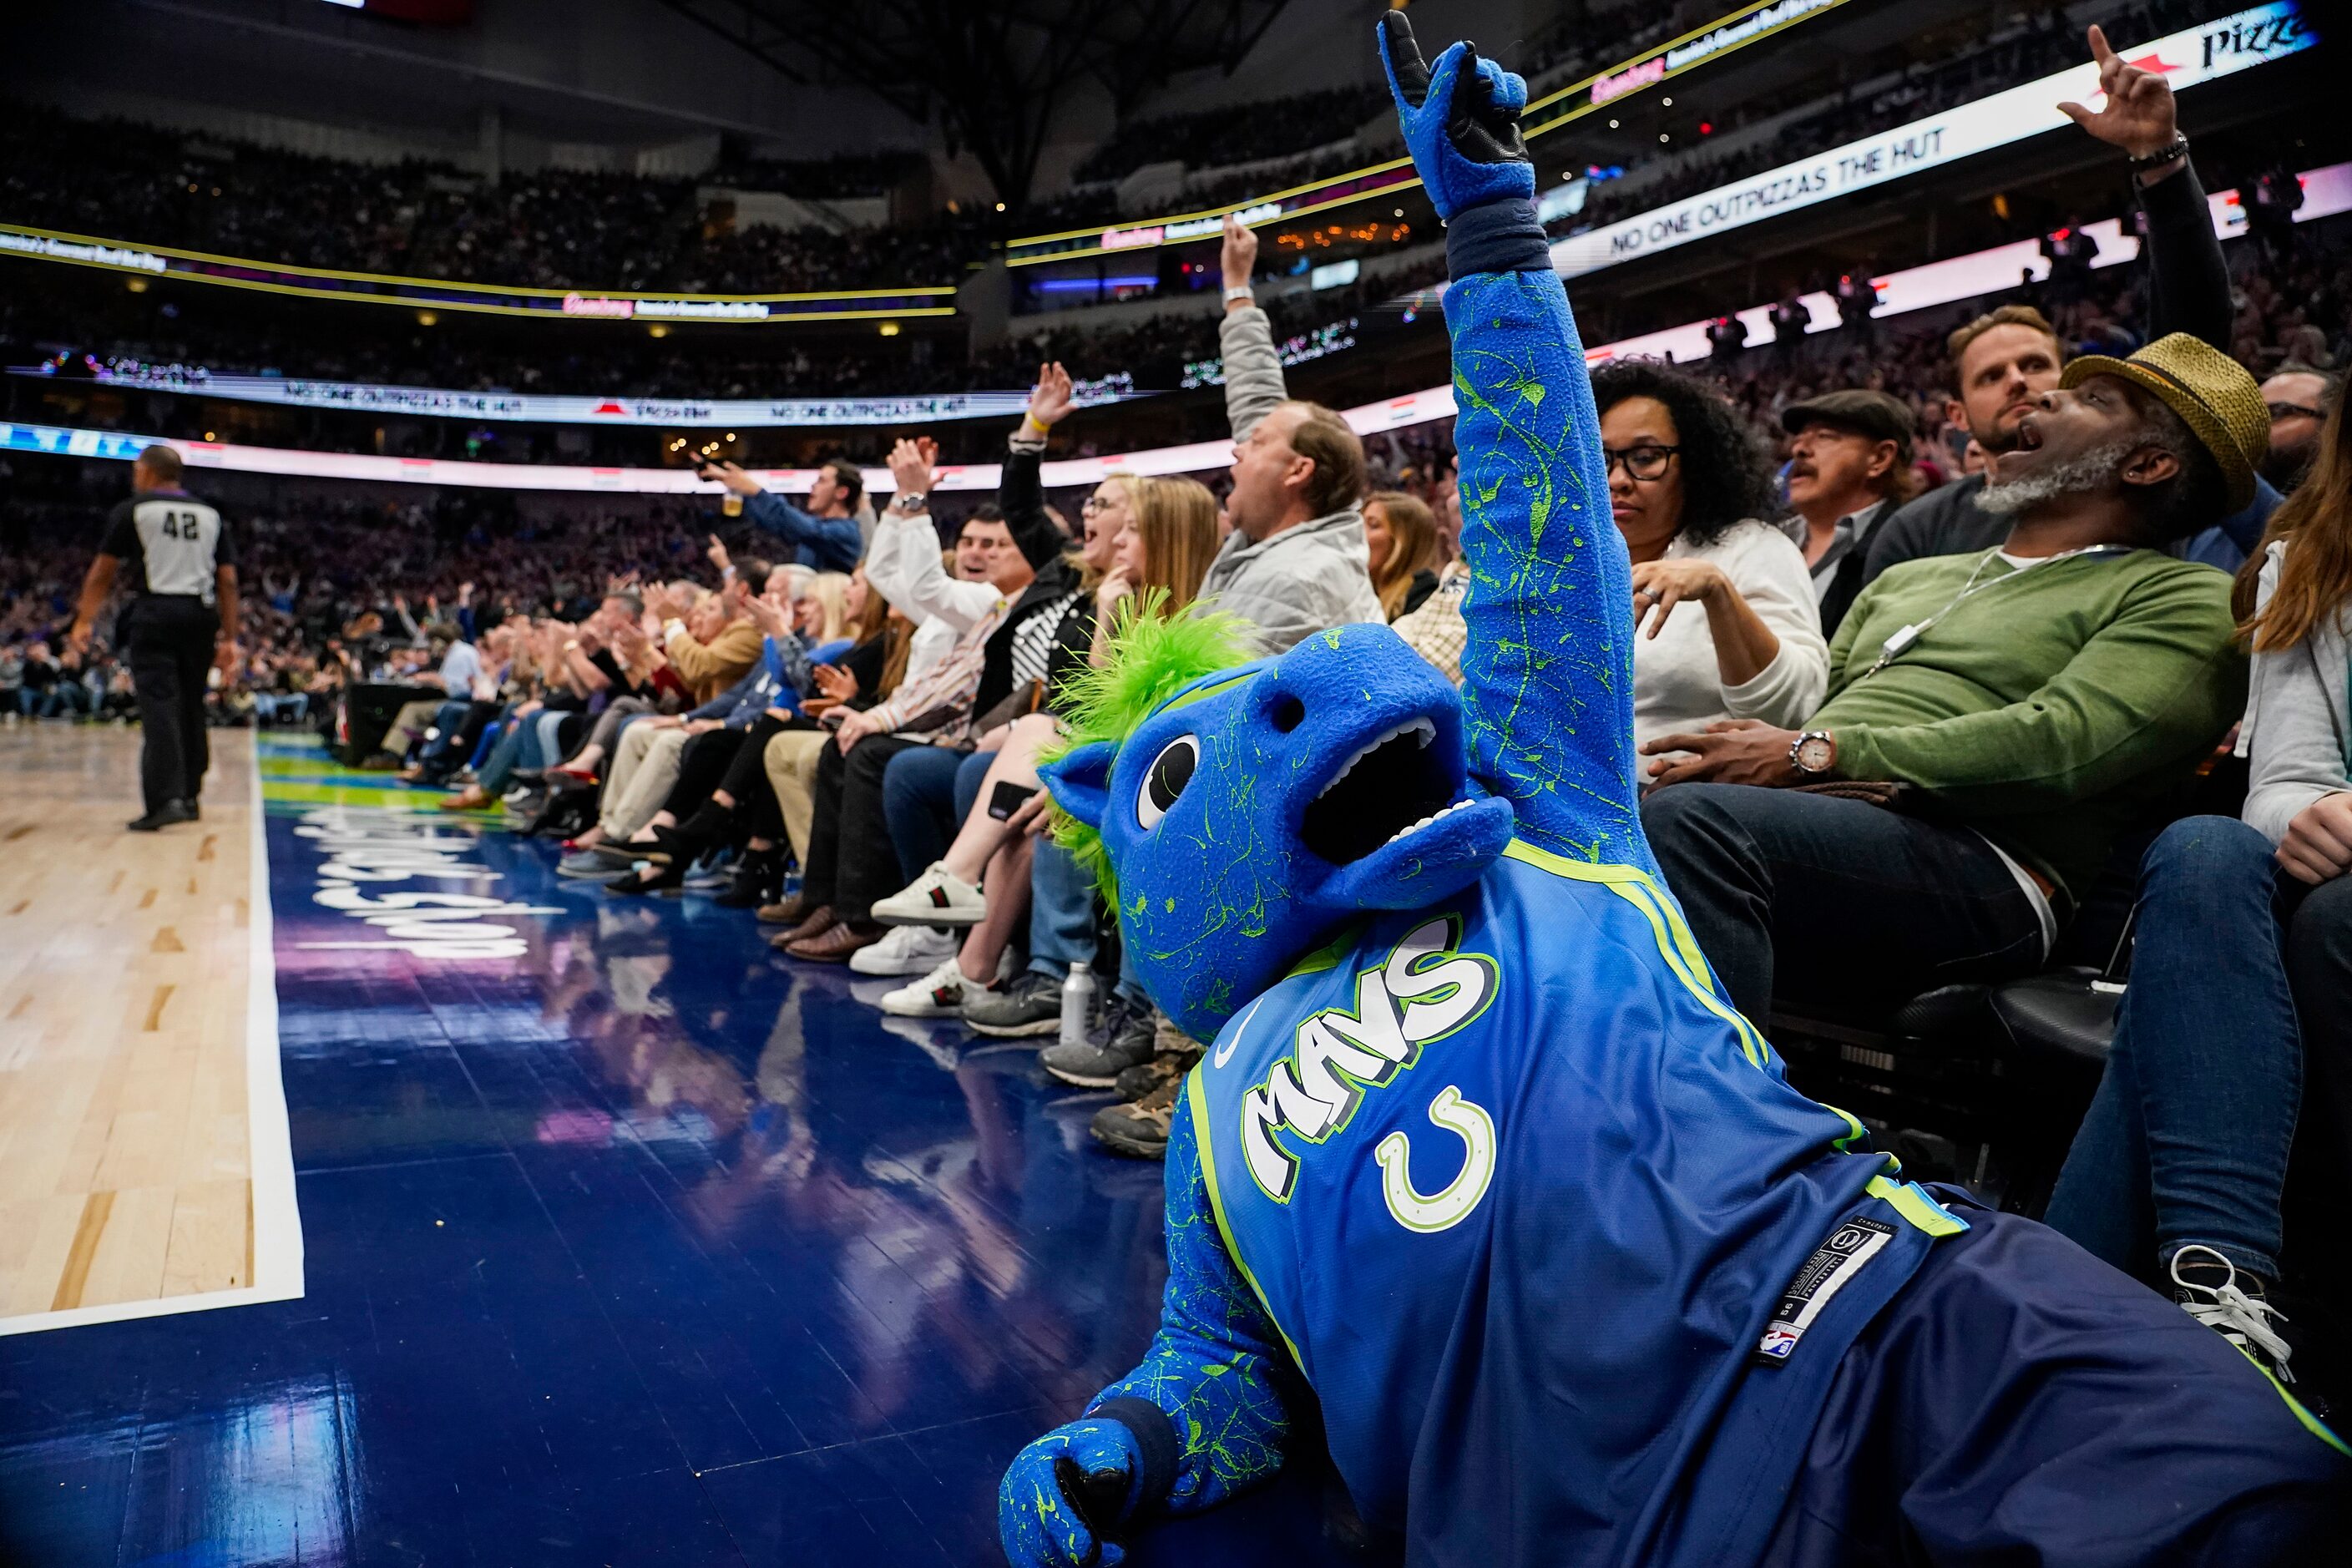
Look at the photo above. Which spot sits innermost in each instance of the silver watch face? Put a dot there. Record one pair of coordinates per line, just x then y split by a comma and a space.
1813, 753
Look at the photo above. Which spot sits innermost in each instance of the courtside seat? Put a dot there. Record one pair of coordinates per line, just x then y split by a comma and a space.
2000, 1075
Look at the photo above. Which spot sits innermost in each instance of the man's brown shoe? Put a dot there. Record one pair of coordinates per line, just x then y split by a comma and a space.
791, 912
836, 945
816, 922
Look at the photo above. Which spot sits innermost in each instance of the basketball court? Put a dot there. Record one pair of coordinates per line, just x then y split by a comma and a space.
620, 1240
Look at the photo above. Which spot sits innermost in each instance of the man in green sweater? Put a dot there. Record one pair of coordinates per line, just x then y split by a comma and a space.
2019, 706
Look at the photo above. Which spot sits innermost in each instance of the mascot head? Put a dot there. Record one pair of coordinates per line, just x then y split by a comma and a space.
1237, 812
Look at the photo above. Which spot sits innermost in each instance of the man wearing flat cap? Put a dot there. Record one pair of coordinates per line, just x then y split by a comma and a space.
1994, 719
1848, 467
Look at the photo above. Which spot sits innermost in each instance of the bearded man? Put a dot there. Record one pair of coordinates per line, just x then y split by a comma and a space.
2019, 707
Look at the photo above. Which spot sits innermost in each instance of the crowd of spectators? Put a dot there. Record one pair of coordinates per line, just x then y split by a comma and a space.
1903, 700
563, 228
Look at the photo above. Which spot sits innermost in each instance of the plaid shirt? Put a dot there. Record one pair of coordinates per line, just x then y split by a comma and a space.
1435, 630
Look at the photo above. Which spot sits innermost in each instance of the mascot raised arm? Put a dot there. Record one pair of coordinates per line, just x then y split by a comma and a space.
1481, 1150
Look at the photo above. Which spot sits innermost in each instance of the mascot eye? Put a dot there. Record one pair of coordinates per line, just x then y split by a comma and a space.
1165, 779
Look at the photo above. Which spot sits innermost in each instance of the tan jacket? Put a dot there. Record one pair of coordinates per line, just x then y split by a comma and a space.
710, 669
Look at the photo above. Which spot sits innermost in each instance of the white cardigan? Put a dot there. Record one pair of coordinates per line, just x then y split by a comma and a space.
2296, 716
1677, 686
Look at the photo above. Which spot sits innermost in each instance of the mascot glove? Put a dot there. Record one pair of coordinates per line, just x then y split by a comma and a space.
1461, 121
1062, 1491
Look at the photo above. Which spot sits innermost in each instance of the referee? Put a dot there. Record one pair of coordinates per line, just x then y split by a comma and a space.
179, 553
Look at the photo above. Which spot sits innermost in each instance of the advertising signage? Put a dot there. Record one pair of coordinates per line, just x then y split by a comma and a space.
540, 408
439, 294
2194, 55
1735, 30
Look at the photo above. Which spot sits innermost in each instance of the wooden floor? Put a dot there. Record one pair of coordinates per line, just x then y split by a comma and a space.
126, 1141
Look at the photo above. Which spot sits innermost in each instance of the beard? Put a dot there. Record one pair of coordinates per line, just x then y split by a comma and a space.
2284, 467
2075, 475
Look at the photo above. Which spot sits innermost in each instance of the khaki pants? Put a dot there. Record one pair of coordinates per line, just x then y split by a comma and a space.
644, 767
408, 726
791, 762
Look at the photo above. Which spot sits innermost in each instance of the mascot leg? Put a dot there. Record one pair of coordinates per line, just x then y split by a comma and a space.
2022, 1400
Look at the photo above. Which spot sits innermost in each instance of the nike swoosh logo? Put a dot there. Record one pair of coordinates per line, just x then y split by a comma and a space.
1233, 1035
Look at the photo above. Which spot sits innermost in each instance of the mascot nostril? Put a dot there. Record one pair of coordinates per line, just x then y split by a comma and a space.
1482, 1155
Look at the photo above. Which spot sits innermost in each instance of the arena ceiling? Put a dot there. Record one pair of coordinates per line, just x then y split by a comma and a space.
991, 72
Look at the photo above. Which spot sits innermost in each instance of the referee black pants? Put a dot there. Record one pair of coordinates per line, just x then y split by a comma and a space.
171, 649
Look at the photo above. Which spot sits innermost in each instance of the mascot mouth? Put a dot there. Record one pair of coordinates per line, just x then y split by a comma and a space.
1397, 785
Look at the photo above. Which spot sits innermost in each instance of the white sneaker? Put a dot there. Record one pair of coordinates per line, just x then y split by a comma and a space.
936, 897
2242, 1319
905, 949
939, 995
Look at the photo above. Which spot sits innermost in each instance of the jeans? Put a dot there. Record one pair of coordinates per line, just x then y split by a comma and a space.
1062, 921
1824, 899
926, 792
2186, 1140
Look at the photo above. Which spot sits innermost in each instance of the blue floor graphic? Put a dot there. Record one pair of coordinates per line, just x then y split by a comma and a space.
629, 1243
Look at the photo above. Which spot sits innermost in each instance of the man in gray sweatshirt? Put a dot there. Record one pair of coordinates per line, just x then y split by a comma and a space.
1296, 562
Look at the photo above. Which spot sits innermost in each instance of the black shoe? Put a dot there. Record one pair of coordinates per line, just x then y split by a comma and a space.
755, 882
162, 817
1030, 1003
1129, 1039
650, 879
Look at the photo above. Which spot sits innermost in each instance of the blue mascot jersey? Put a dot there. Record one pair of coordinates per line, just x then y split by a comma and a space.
1539, 1219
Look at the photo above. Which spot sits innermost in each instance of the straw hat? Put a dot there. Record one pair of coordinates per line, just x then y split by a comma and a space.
2216, 397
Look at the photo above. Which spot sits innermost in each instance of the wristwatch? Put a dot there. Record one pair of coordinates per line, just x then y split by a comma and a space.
910, 502
1814, 753
1239, 292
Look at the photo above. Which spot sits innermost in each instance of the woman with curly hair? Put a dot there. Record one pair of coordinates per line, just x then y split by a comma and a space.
1687, 486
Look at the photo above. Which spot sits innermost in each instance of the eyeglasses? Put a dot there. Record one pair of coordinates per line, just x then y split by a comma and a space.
1644, 462
1094, 504
2294, 411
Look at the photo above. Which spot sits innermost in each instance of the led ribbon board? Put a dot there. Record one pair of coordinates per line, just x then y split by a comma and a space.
1734, 30
2185, 59
438, 294
426, 402
2326, 191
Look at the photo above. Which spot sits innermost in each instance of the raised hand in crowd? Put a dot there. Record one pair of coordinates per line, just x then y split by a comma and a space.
732, 476
1239, 257
2137, 115
1051, 400
717, 556
773, 619
912, 461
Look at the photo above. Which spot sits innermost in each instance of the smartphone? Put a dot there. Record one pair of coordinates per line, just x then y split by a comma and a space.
1007, 799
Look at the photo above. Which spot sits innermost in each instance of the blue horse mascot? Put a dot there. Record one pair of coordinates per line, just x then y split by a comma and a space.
1483, 1154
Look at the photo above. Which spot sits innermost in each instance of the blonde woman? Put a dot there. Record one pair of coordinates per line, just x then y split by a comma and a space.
1400, 536
1169, 542
822, 611
1166, 538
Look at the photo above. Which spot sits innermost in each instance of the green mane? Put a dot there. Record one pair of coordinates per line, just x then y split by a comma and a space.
1153, 658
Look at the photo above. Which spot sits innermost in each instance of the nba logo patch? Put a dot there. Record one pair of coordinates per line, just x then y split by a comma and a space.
1778, 1341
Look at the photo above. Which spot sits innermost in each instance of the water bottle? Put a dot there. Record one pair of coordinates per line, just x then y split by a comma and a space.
1078, 1004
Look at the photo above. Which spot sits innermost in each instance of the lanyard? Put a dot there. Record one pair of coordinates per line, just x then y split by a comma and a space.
1907, 637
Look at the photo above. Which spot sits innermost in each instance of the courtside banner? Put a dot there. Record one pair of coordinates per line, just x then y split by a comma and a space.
2204, 53
749, 412
440, 294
